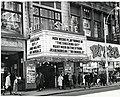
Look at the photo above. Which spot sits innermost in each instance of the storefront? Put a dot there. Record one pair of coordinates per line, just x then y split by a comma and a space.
96, 53
12, 56
56, 52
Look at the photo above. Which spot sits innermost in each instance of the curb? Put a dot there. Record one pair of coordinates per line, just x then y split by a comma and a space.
82, 89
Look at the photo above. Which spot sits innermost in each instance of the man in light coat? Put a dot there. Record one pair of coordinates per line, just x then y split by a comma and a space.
60, 81
8, 83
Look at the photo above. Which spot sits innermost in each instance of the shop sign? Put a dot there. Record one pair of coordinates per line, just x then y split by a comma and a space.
99, 51
11, 42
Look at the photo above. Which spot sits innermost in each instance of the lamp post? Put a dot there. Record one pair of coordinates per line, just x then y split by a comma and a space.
105, 38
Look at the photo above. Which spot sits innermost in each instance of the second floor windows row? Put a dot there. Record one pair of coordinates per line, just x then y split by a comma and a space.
91, 22
44, 18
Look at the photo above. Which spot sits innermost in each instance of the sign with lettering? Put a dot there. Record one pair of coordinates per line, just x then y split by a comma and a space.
97, 51
52, 43
30, 74
67, 45
11, 42
34, 45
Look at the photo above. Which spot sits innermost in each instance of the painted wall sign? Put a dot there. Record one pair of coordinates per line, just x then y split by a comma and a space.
97, 51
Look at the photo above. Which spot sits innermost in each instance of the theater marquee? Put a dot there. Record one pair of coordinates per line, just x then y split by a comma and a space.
51, 43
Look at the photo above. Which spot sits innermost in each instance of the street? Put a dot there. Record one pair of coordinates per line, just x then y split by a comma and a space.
114, 93
91, 91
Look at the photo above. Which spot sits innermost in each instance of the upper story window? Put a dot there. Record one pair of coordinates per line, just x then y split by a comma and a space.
97, 24
52, 4
44, 18
75, 19
75, 24
86, 13
11, 17
87, 21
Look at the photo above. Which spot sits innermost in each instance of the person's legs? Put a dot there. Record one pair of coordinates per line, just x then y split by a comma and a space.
10, 90
88, 84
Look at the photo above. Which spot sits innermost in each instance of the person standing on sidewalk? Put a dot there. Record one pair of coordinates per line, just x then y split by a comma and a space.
65, 81
8, 83
87, 80
60, 81
37, 81
41, 78
80, 79
15, 85
74, 79
70, 80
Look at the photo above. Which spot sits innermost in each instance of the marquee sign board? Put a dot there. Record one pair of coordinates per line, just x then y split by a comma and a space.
52, 43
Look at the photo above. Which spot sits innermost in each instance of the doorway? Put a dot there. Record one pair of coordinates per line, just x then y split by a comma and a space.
12, 61
48, 71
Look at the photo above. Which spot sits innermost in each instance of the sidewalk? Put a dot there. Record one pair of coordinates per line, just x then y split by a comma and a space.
48, 92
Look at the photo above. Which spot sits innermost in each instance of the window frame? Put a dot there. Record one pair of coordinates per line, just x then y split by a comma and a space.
47, 17
78, 17
98, 21
16, 12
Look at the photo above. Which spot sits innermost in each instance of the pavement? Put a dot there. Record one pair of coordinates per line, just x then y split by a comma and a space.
48, 92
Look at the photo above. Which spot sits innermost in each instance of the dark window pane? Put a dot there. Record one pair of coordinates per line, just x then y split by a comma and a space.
97, 16
50, 4
37, 2
58, 5
74, 10
86, 13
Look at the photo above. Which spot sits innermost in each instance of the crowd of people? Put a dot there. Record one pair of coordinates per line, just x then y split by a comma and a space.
11, 84
85, 80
